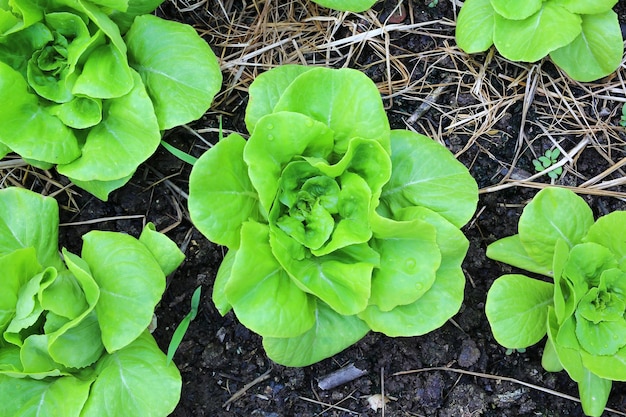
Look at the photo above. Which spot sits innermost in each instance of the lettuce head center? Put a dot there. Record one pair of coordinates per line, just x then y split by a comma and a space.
52, 59
599, 305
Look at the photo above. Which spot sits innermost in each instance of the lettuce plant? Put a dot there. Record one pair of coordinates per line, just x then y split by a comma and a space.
583, 37
74, 339
87, 85
335, 224
581, 307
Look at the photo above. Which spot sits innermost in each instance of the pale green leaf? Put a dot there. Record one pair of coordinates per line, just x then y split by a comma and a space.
603, 232
263, 296
535, 37
475, 25
134, 381
79, 113
20, 231
347, 5
342, 279
409, 259
594, 393
553, 214
331, 333
429, 312
26, 128
219, 285
17, 267
78, 343
516, 9
164, 250
345, 100
131, 284
179, 69
517, 310
511, 251
26, 397
221, 196
278, 139
596, 52
586, 7
611, 367
426, 174
126, 137
266, 90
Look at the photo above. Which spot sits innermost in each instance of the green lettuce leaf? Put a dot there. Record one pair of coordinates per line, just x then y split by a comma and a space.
262, 294
46, 398
536, 36
475, 25
27, 129
277, 140
426, 174
135, 380
20, 231
517, 310
542, 223
345, 100
126, 137
131, 284
221, 195
515, 9
267, 89
182, 92
596, 52
331, 334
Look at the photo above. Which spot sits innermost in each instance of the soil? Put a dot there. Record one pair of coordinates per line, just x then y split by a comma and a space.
219, 356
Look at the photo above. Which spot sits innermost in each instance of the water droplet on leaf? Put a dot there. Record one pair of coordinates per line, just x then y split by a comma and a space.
409, 265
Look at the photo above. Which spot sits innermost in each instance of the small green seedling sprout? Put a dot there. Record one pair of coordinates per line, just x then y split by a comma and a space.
433, 3
622, 121
511, 351
548, 159
180, 331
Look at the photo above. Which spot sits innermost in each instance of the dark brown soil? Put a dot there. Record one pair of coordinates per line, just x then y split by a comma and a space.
219, 356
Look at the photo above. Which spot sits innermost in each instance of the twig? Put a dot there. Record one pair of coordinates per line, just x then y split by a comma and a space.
105, 219
246, 387
340, 376
429, 101
329, 406
501, 378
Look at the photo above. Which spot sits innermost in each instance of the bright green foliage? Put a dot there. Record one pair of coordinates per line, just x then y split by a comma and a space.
583, 37
74, 339
88, 86
335, 224
583, 311
548, 159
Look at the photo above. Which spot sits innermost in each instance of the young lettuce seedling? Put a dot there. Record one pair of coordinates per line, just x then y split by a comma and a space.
335, 224
587, 45
582, 304
88, 86
74, 329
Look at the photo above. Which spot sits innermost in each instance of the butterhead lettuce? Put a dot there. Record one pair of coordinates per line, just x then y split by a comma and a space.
88, 86
582, 308
73, 329
335, 224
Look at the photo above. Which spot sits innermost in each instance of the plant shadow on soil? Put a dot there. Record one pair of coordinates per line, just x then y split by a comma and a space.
219, 356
